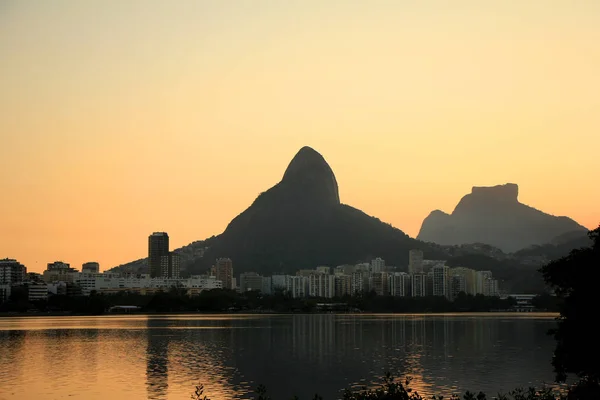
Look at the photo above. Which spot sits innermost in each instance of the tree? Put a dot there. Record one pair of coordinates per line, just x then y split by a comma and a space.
574, 279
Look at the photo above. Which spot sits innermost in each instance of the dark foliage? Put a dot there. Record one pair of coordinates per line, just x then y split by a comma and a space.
575, 281
393, 389
221, 300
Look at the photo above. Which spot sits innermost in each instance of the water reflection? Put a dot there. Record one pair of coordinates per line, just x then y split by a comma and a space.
164, 357
11, 362
157, 364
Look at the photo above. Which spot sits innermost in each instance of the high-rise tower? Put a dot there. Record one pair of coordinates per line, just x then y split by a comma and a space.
158, 247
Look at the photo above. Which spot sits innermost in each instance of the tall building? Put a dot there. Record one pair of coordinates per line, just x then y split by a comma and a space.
90, 267
480, 281
469, 276
458, 284
321, 285
158, 249
377, 265
343, 285
400, 284
12, 272
415, 262
379, 282
161, 262
224, 272
297, 286
174, 265
441, 281
419, 285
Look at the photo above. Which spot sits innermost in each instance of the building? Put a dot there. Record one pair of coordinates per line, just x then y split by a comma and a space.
468, 275
429, 284
91, 267
377, 265
419, 285
457, 284
441, 281
224, 272
415, 262
480, 278
490, 287
297, 286
59, 266
400, 284
174, 265
379, 282
321, 285
429, 264
109, 282
158, 254
266, 285
251, 281
59, 271
324, 270
5, 291
37, 291
12, 272
343, 285
279, 283
360, 282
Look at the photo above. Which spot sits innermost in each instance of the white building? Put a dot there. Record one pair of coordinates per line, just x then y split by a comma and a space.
400, 284
359, 282
321, 285
377, 265
297, 286
114, 282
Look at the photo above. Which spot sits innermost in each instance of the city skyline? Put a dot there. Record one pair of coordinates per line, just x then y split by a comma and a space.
212, 99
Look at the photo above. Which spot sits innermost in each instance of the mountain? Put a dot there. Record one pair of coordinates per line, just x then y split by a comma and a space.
300, 223
494, 215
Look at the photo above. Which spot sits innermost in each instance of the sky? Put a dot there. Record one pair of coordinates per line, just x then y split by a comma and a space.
121, 118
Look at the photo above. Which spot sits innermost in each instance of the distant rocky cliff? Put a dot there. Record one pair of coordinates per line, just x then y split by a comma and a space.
494, 215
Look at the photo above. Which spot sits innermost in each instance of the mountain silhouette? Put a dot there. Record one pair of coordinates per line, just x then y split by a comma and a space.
494, 215
300, 223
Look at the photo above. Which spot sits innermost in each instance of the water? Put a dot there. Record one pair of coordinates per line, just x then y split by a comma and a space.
164, 357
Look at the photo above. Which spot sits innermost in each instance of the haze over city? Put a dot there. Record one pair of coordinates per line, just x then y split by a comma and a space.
121, 119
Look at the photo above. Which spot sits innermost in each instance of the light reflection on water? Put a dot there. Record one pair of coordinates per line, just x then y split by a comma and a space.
164, 357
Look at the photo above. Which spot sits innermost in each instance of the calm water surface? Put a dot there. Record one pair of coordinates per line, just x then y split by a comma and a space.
165, 356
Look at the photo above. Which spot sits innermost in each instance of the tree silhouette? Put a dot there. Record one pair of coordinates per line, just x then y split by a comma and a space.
574, 279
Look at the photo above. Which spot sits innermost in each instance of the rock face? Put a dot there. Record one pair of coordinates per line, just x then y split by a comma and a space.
494, 215
300, 223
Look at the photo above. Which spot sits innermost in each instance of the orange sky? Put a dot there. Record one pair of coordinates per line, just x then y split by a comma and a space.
118, 119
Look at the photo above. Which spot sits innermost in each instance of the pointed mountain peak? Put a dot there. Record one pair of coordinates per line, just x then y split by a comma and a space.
309, 172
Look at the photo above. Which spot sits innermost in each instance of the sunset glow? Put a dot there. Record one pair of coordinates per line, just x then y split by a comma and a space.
119, 119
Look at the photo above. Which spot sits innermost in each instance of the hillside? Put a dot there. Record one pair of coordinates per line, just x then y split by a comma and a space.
494, 215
